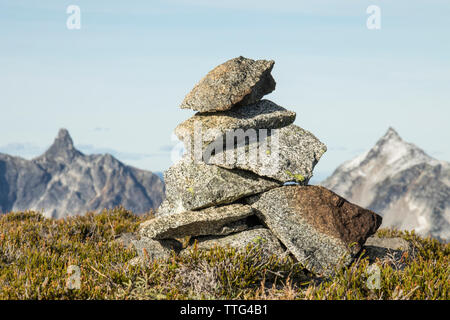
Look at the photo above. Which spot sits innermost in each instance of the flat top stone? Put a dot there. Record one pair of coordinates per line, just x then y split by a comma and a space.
210, 221
320, 228
288, 154
238, 81
195, 185
209, 126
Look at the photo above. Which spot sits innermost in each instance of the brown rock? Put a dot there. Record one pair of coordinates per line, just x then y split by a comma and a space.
321, 229
239, 81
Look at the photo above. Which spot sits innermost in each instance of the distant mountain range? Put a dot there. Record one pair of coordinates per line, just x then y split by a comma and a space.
400, 181
64, 182
410, 189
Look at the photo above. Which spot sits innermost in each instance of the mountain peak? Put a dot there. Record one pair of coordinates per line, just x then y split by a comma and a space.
391, 134
399, 180
394, 149
64, 139
62, 148
63, 182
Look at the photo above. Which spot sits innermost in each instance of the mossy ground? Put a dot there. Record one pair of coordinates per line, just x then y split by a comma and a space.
35, 254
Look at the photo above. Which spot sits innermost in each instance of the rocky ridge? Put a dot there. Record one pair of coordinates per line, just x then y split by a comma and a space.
410, 189
64, 182
230, 188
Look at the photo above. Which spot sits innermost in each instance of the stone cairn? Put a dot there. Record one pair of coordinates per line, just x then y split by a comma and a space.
216, 199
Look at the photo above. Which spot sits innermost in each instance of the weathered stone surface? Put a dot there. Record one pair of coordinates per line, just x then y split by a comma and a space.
150, 249
395, 243
386, 248
288, 154
239, 81
321, 229
126, 239
211, 221
192, 186
211, 126
165, 208
258, 236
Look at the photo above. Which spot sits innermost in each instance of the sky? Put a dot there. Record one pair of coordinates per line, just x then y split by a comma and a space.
117, 82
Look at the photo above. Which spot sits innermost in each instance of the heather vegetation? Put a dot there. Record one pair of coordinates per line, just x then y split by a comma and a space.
35, 253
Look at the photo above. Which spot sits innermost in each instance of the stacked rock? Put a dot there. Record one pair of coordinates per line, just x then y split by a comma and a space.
231, 187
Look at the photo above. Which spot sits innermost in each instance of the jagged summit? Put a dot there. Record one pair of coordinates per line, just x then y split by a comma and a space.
399, 180
62, 149
64, 182
391, 133
64, 137
398, 153
390, 153
391, 136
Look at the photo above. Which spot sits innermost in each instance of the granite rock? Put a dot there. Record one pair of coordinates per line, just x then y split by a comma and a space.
395, 243
211, 221
165, 208
202, 129
239, 81
386, 248
258, 236
288, 154
151, 250
126, 239
193, 186
321, 229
